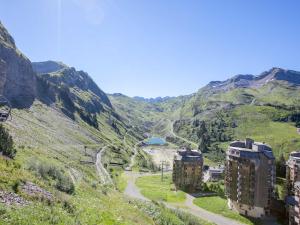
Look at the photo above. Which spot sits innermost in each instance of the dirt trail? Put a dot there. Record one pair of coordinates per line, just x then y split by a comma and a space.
102, 172
75, 175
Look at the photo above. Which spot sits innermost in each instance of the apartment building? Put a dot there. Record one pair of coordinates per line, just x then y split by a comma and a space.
187, 170
250, 177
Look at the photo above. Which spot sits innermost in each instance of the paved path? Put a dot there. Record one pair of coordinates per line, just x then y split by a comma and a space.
215, 218
133, 191
102, 172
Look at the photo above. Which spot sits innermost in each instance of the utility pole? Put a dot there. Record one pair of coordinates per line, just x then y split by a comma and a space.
162, 170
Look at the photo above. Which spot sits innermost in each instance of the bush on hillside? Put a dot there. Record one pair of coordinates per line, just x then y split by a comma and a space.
6, 143
48, 171
65, 184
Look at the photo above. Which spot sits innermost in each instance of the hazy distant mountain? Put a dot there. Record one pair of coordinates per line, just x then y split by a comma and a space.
153, 100
251, 81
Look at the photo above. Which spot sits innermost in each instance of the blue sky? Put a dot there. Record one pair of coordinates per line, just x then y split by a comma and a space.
157, 47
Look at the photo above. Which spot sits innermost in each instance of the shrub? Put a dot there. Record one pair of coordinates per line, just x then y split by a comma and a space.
2, 210
16, 186
6, 143
65, 184
48, 171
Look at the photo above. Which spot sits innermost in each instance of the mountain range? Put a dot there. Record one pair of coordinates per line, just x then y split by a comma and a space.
265, 107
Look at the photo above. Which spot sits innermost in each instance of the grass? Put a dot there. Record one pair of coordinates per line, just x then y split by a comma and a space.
121, 182
280, 186
165, 216
209, 162
218, 205
89, 205
254, 122
153, 188
43, 134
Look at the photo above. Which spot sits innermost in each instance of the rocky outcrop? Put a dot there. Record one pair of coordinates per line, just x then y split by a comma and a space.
17, 78
47, 67
290, 76
35, 191
9, 198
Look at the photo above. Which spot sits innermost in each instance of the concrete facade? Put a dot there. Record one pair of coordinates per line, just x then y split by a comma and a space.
293, 187
187, 170
293, 205
250, 177
292, 171
213, 174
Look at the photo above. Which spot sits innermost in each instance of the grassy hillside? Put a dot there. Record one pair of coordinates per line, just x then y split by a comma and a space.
258, 122
51, 155
142, 115
47, 141
88, 205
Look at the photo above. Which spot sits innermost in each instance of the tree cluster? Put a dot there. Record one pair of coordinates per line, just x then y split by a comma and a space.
6, 143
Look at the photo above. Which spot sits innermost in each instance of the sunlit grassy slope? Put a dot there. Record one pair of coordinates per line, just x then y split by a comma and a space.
256, 122
44, 135
218, 205
89, 205
155, 189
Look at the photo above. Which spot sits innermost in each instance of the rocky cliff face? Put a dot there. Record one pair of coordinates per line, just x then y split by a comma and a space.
81, 85
48, 66
17, 78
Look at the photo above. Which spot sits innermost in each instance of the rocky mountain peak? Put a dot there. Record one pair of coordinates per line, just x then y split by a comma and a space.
240, 77
5, 37
252, 81
279, 74
60, 74
17, 78
48, 66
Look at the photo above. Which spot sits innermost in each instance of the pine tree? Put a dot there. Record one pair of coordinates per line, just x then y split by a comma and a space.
204, 138
281, 167
6, 143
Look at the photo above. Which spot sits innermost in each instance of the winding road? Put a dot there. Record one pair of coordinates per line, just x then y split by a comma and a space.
133, 191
